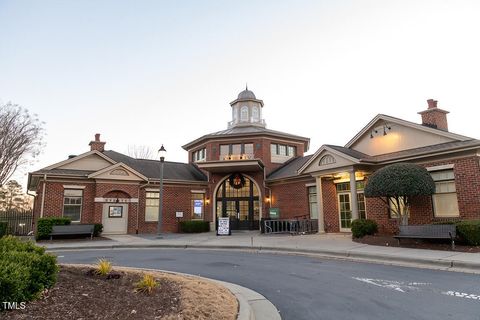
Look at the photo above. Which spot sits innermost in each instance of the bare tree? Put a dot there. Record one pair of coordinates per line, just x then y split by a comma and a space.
21, 139
140, 152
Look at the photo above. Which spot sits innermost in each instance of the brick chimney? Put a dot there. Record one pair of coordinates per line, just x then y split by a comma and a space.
97, 144
434, 117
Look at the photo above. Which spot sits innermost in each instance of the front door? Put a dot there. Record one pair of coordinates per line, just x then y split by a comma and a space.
240, 214
115, 218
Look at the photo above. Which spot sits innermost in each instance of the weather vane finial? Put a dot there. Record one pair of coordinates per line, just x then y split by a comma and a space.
246, 86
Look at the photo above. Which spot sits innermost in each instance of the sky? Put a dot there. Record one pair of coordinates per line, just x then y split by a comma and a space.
164, 72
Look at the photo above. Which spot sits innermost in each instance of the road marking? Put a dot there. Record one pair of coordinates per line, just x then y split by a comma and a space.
462, 295
60, 256
395, 285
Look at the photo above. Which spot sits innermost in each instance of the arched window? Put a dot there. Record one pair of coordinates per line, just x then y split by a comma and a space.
255, 115
326, 159
244, 113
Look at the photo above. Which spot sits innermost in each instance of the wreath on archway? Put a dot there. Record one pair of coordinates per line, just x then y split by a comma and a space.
236, 180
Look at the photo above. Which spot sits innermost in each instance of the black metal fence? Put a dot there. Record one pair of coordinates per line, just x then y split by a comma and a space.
292, 226
20, 222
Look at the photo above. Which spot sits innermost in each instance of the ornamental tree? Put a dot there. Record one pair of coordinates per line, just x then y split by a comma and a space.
397, 184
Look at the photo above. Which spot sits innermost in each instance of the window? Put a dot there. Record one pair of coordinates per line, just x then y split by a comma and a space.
237, 150
445, 203
327, 159
197, 205
244, 113
393, 207
248, 150
255, 115
151, 206
199, 155
224, 151
283, 150
72, 204
312, 202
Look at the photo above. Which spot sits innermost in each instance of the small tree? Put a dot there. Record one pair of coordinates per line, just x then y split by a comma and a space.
397, 184
12, 196
20, 139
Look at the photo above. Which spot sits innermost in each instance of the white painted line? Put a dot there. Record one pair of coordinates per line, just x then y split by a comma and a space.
462, 295
394, 285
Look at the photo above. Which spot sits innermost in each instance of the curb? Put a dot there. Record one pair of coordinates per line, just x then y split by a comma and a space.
444, 264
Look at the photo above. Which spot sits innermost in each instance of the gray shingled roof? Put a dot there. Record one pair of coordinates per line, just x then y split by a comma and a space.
350, 152
289, 169
151, 168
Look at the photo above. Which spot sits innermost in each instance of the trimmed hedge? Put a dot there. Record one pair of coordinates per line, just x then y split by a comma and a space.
44, 227
469, 231
3, 228
194, 226
363, 227
25, 270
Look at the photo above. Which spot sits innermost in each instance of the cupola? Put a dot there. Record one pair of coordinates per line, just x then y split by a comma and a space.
246, 110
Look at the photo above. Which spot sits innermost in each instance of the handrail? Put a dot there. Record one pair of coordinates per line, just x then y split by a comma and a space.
292, 226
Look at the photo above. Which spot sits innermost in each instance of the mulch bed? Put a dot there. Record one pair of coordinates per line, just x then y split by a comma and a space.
390, 241
79, 294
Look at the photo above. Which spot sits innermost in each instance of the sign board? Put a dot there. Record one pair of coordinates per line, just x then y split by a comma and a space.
197, 206
179, 214
223, 227
274, 213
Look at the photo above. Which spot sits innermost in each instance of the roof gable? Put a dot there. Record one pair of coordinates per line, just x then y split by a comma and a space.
118, 171
89, 161
327, 158
385, 134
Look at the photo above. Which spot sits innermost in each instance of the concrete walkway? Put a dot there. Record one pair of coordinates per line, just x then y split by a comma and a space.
339, 246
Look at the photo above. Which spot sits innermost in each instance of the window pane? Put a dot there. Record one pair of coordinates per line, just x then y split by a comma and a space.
197, 205
249, 149
236, 149
446, 205
151, 213
72, 212
273, 149
291, 151
224, 151
443, 175
282, 150
152, 195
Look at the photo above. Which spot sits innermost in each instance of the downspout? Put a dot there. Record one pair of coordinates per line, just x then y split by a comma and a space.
138, 204
33, 211
269, 194
43, 195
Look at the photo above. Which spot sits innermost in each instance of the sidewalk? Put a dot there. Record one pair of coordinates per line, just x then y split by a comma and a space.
326, 245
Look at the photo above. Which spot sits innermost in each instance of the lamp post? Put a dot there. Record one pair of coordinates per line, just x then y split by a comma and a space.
162, 153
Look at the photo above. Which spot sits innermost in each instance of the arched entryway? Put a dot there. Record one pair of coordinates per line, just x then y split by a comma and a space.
238, 198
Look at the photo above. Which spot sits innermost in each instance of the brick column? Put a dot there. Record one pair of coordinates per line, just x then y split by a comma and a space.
353, 195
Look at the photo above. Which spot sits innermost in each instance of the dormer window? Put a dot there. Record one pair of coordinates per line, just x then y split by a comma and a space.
244, 113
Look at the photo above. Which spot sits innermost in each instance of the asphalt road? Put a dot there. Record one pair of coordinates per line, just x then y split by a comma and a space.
311, 288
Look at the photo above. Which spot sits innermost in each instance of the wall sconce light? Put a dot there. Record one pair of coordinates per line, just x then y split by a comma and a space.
372, 132
267, 199
385, 128
207, 200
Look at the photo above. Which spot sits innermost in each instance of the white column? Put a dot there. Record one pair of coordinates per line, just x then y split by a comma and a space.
321, 221
353, 195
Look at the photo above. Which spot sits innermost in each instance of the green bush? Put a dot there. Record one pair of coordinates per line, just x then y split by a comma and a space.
363, 227
97, 229
25, 270
469, 231
44, 227
3, 228
194, 226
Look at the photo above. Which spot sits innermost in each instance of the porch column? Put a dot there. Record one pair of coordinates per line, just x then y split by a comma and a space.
321, 219
353, 195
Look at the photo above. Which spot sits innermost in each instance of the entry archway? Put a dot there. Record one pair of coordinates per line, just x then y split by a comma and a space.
238, 197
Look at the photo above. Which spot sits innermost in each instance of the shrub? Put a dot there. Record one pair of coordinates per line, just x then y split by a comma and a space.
363, 227
44, 227
147, 284
194, 226
469, 231
25, 270
97, 229
103, 267
3, 228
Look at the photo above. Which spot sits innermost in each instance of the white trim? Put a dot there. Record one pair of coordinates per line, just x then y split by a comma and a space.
442, 167
198, 191
152, 189
66, 186
313, 184
319, 151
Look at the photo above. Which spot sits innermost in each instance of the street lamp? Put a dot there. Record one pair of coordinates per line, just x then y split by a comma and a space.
162, 153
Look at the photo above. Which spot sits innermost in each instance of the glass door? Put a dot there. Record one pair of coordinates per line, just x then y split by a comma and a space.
345, 211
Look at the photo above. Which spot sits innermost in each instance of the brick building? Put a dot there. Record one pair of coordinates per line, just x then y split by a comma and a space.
248, 172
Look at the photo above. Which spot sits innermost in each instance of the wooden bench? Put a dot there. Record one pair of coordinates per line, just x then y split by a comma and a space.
428, 231
72, 229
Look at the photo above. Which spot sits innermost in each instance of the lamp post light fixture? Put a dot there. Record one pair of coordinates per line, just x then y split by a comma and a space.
162, 153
